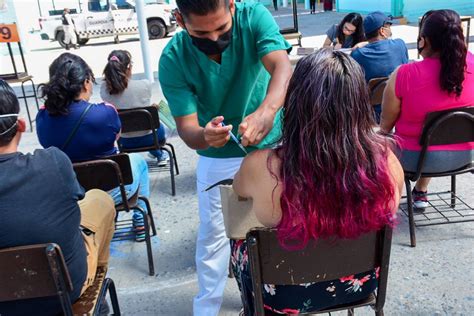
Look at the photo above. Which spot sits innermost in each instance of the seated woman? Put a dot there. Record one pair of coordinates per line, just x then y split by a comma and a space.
120, 90
332, 175
443, 80
85, 130
348, 34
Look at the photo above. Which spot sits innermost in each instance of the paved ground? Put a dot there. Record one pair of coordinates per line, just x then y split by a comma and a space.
435, 278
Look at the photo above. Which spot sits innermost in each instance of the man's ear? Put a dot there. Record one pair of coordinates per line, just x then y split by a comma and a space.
232, 7
381, 33
179, 19
21, 125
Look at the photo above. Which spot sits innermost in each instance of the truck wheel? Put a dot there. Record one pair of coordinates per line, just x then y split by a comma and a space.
156, 29
82, 41
60, 38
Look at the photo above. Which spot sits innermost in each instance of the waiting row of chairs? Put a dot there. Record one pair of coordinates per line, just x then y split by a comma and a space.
270, 264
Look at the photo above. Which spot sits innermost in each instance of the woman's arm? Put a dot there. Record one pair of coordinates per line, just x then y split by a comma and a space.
390, 105
327, 42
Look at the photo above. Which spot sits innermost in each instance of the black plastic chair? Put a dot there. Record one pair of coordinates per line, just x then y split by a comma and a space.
39, 271
376, 89
109, 173
147, 119
453, 126
321, 260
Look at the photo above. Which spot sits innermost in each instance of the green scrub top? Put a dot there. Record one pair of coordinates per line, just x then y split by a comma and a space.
192, 82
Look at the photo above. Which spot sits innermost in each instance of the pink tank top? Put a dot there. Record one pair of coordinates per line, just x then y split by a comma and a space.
417, 86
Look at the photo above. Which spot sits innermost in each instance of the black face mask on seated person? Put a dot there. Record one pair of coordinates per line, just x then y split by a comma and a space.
210, 47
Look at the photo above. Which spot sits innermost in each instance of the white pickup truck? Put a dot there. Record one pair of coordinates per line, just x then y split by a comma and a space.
103, 18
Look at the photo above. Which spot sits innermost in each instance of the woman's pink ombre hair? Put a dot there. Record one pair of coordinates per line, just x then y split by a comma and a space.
334, 170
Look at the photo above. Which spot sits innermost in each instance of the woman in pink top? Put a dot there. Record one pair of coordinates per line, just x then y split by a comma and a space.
443, 80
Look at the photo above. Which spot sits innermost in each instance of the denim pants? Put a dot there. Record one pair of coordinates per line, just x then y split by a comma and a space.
146, 140
140, 183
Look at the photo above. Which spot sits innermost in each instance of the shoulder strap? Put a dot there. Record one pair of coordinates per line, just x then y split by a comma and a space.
76, 127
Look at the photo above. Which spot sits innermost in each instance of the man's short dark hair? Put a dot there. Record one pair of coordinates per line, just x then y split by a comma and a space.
373, 34
200, 7
8, 105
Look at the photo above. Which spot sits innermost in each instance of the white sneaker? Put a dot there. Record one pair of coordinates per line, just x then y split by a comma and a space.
420, 199
164, 159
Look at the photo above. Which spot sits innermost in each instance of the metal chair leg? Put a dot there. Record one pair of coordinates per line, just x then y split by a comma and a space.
152, 220
149, 251
350, 312
379, 313
34, 94
173, 185
453, 191
411, 219
113, 297
26, 105
174, 157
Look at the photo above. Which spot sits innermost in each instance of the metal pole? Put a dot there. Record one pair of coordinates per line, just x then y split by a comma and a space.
39, 8
144, 41
54, 6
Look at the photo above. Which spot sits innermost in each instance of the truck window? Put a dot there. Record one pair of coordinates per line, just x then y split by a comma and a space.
122, 4
98, 5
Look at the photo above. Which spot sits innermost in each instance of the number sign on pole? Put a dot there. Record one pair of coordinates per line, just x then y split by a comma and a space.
9, 33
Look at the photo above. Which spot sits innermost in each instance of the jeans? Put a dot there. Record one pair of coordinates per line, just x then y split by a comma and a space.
146, 140
140, 183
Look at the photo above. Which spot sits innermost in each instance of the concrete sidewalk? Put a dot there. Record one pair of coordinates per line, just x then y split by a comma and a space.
435, 278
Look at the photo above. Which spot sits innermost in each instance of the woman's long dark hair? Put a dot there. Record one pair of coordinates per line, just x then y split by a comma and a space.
334, 170
67, 75
443, 30
116, 71
356, 20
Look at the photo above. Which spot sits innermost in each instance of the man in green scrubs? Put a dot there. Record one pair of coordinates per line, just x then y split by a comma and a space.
229, 65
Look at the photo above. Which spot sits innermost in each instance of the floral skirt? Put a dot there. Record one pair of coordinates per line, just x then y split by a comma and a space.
303, 298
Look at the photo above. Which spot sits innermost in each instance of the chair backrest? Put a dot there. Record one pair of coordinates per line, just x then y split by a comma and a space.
139, 119
376, 89
34, 271
105, 174
454, 126
321, 260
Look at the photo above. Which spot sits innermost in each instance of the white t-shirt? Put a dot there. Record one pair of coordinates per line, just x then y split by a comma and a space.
137, 95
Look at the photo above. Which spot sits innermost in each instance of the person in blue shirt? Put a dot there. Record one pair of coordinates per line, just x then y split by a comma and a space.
382, 55
85, 130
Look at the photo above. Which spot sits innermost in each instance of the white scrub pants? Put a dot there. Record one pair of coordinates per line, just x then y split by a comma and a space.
212, 246
69, 35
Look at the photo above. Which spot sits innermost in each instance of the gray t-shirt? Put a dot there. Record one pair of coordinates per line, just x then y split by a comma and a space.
137, 95
332, 34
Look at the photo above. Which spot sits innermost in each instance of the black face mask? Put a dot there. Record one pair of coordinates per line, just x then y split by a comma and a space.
210, 47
